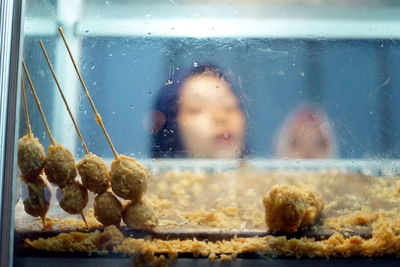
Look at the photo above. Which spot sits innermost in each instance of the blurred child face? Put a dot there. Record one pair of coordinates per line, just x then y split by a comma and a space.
308, 142
210, 120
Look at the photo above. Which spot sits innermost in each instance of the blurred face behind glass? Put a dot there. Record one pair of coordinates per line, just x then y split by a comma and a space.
306, 135
308, 142
210, 120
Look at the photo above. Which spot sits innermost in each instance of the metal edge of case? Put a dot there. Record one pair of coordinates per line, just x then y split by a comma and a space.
10, 35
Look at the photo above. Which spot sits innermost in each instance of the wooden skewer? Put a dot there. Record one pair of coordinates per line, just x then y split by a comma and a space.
38, 103
28, 124
98, 117
63, 97
84, 220
43, 221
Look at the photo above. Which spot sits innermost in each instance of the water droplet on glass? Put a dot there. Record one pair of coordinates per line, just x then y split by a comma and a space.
113, 112
110, 55
168, 82
107, 3
131, 106
86, 31
92, 68
94, 83
41, 73
195, 64
302, 74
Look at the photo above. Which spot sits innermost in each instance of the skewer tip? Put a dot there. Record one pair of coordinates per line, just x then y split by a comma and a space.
44, 221
84, 220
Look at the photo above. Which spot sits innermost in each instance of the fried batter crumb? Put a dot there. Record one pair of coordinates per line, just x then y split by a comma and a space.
287, 208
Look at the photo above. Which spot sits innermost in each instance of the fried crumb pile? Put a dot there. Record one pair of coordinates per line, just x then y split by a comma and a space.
385, 240
233, 200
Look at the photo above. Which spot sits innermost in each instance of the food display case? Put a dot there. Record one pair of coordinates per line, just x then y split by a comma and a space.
111, 153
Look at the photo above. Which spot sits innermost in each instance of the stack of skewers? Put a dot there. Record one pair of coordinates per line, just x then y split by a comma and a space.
128, 178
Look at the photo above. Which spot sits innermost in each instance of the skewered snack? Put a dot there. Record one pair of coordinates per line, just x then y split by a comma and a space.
287, 208
107, 209
128, 178
36, 197
60, 165
31, 155
92, 169
138, 215
74, 198
94, 173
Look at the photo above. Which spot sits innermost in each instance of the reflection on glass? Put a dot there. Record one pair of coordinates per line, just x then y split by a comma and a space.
306, 133
198, 115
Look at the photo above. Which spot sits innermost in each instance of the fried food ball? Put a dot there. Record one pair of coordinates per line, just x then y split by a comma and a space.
94, 173
31, 156
287, 208
128, 178
60, 165
107, 209
139, 216
74, 198
36, 197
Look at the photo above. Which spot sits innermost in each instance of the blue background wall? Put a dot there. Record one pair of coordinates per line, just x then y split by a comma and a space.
356, 82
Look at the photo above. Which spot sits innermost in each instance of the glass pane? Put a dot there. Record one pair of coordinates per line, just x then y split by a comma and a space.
220, 101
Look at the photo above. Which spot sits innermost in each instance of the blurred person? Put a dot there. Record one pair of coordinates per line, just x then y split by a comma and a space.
198, 114
306, 133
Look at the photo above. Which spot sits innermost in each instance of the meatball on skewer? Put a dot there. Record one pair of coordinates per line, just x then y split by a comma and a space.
107, 209
36, 198
128, 177
60, 164
138, 215
93, 170
31, 158
31, 155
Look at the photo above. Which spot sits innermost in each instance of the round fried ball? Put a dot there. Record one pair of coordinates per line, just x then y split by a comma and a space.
139, 216
35, 197
94, 173
128, 178
31, 156
74, 198
287, 208
60, 165
107, 209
